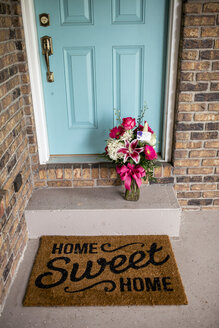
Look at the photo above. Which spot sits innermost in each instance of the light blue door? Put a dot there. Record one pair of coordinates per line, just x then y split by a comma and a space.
107, 54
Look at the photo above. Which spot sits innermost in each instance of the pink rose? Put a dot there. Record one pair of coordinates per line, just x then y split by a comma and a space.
128, 123
116, 132
150, 153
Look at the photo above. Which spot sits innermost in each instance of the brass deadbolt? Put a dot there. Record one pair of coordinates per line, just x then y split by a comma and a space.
44, 19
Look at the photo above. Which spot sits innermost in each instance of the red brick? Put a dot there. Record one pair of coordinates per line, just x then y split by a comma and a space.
18, 244
68, 173
187, 163
195, 107
190, 32
51, 174
167, 169
113, 173
189, 126
193, 8
198, 44
59, 173
182, 136
202, 186
195, 66
212, 96
193, 86
77, 173
200, 170
185, 97
188, 145
209, 54
211, 194
86, 173
190, 55
60, 183
158, 172
5, 21
83, 183
212, 7
210, 162
2, 208
214, 87
42, 174
202, 153
4, 35
199, 202
25, 78
182, 202
199, 20
204, 135
95, 173
13, 227
104, 172
216, 44
210, 32
212, 126
109, 182
208, 76
179, 171
182, 187
206, 117
8, 224
212, 144
187, 76
215, 66
180, 154
40, 184
188, 194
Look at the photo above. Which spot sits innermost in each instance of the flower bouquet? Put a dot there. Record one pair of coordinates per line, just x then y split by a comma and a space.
132, 148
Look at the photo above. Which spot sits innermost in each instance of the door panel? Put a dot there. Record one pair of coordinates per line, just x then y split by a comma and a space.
128, 11
76, 12
107, 54
80, 87
128, 78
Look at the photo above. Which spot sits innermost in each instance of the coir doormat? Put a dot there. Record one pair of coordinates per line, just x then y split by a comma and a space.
104, 270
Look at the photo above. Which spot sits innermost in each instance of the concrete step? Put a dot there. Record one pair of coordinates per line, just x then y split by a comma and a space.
103, 211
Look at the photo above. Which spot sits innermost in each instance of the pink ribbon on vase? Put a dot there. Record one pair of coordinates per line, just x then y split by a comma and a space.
130, 171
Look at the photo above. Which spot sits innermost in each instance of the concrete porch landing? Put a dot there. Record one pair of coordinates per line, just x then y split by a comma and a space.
103, 211
197, 257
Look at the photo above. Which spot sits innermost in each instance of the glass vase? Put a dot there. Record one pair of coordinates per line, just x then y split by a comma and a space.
134, 192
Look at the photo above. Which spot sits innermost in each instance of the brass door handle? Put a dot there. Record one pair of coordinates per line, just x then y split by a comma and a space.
47, 50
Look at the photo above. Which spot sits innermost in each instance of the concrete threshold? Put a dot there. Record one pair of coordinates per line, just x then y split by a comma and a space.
103, 211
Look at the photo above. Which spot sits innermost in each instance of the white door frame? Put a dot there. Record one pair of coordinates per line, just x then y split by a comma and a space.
30, 31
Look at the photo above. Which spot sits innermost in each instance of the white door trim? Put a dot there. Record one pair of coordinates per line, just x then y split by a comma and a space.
32, 48
171, 78
33, 58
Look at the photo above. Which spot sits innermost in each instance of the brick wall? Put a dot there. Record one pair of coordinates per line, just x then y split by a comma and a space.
14, 152
194, 170
88, 175
195, 155
196, 146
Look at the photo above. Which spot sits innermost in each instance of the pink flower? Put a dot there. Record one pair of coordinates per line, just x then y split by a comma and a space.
106, 149
116, 132
131, 150
128, 123
150, 153
140, 128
